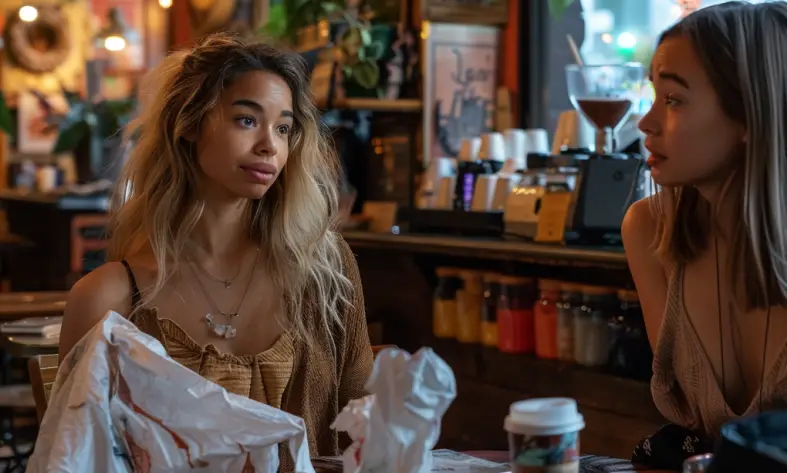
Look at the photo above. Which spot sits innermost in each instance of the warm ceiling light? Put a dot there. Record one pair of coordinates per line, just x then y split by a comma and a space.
165, 3
114, 43
115, 35
28, 13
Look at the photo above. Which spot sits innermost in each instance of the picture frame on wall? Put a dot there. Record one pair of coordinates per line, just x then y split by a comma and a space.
36, 131
460, 85
469, 12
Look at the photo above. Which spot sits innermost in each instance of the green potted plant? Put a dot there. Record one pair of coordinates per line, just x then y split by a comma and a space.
558, 7
91, 131
359, 45
6, 120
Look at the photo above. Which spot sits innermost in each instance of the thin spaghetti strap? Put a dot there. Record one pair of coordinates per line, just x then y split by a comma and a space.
136, 299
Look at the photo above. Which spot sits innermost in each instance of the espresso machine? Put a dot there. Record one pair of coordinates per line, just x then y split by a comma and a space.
598, 185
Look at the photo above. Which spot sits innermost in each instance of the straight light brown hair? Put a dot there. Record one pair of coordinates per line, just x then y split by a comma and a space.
743, 49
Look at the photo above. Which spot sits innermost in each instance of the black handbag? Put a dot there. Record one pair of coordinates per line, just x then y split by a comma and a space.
755, 443
669, 447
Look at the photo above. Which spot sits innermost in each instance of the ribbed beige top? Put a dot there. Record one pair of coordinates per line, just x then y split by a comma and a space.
684, 386
313, 382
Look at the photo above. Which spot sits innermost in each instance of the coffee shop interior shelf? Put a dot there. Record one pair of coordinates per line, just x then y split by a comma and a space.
399, 278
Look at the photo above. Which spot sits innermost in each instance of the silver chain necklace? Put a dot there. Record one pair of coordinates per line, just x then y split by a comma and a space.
223, 330
226, 282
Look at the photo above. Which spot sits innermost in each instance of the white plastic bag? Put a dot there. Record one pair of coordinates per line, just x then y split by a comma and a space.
395, 428
121, 405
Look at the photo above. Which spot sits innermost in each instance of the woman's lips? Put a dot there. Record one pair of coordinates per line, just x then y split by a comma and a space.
261, 174
655, 159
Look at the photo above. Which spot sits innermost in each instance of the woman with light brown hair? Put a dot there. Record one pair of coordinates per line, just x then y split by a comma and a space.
221, 236
708, 253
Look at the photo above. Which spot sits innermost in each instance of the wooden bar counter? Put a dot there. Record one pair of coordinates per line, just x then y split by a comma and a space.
398, 273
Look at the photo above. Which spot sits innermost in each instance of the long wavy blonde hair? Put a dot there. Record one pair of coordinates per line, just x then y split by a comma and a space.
157, 203
742, 48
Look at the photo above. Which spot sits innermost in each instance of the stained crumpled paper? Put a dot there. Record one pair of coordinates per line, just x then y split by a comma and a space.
395, 428
121, 405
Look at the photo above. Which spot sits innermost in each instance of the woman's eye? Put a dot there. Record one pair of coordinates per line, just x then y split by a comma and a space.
284, 129
247, 122
671, 100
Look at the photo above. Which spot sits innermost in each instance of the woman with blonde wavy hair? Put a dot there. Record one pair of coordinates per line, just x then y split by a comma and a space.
221, 236
708, 253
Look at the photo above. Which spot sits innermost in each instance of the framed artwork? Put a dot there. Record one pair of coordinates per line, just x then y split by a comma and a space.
460, 85
36, 132
470, 12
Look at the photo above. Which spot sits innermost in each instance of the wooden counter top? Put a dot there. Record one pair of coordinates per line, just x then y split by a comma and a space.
480, 248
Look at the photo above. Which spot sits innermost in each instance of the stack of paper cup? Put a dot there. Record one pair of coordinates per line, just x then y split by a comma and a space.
516, 150
543, 435
468, 149
493, 150
537, 140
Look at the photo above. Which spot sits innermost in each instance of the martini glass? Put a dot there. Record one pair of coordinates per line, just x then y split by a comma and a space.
605, 96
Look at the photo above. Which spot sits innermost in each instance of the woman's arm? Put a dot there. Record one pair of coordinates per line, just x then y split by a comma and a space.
639, 235
103, 289
358, 357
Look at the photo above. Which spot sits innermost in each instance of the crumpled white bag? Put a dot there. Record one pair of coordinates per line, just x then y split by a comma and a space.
121, 405
395, 428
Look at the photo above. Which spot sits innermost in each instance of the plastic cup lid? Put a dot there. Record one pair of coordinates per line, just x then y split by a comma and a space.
548, 414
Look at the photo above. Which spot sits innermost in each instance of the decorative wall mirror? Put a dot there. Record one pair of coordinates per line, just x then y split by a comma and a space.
41, 45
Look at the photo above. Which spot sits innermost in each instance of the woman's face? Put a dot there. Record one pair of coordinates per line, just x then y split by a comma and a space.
243, 142
691, 140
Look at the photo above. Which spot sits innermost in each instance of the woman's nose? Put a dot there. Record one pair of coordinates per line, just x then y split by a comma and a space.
649, 123
266, 146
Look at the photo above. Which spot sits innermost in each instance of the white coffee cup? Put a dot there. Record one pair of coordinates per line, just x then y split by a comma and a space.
484, 193
540, 426
468, 149
493, 147
46, 178
537, 140
445, 193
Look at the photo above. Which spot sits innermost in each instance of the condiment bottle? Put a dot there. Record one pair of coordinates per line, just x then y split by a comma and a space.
570, 298
444, 306
545, 314
470, 300
592, 342
631, 354
489, 330
515, 315
468, 168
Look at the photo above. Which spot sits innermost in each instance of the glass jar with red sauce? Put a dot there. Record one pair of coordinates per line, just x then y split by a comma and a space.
546, 318
515, 315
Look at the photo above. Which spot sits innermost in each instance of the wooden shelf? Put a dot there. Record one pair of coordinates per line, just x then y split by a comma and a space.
379, 105
478, 248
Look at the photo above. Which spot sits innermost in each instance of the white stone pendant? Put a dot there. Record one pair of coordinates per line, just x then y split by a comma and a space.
221, 330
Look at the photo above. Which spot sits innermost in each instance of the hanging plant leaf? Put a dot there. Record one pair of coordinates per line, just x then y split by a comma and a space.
372, 52
68, 139
6, 120
366, 74
558, 7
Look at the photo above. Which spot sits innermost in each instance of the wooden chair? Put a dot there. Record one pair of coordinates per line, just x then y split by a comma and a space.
42, 370
376, 349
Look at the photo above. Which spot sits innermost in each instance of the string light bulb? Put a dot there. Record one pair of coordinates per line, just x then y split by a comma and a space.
165, 3
28, 13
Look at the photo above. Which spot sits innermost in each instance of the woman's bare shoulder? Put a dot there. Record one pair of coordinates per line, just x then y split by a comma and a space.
640, 220
107, 288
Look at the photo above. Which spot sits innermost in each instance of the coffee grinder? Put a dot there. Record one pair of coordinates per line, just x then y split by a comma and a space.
609, 180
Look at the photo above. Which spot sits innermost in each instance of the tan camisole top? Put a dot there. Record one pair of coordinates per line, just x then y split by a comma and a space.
262, 377
684, 386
